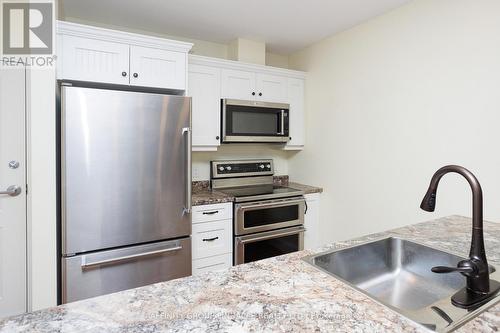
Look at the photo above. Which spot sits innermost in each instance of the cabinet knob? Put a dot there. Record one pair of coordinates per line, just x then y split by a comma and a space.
290, 138
217, 137
260, 94
253, 93
136, 75
124, 73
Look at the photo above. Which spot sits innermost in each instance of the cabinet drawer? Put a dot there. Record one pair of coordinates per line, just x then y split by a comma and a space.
211, 238
212, 264
214, 212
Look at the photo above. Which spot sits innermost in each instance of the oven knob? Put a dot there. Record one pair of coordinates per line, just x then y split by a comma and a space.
221, 168
268, 166
228, 168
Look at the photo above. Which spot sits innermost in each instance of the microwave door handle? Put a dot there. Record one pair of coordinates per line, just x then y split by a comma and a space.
282, 132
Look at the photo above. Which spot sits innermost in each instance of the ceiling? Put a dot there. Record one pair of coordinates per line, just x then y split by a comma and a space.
285, 25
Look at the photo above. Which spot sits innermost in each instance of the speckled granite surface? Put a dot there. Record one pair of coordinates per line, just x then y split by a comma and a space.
203, 195
206, 196
282, 294
306, 188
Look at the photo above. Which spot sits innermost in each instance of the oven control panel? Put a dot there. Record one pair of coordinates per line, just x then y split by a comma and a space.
225, 169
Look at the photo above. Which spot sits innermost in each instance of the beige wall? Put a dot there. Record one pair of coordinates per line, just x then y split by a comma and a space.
201, 160
390, 101
200, 47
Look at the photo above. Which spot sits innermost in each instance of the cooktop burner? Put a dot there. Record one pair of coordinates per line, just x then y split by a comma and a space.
248, 180
260, 192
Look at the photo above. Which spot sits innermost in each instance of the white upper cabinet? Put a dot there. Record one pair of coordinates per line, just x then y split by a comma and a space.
297, 116
86, 59
204, 85
238, 84
271, 88
211, 80
94, 54
157, 68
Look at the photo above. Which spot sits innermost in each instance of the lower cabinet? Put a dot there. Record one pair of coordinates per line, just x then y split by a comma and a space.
212, 264
212, 238
311, 222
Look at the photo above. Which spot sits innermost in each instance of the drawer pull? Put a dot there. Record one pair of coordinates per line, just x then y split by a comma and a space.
211, 213
210, 239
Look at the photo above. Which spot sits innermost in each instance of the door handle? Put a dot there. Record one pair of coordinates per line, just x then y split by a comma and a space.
187, 131
12, 190
282, 130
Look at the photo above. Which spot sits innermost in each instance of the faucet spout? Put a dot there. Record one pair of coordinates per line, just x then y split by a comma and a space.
429, 203
475, 269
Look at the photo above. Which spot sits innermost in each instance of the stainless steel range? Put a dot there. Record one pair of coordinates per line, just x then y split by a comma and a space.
268, 219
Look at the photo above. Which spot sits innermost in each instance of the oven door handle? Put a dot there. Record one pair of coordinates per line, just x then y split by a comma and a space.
270, 235
272, 204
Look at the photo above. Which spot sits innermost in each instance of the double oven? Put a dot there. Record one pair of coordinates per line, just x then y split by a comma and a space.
268, 219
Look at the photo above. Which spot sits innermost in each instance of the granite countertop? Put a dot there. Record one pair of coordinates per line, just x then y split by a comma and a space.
306, 188
204, 195
277, 294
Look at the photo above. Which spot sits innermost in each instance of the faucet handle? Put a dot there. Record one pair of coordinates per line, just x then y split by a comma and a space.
444, 269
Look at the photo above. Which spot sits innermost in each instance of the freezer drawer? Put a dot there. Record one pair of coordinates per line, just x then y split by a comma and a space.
105, 272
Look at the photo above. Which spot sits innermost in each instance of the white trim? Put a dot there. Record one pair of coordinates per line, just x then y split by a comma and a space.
86, 31
27, 157
238, 65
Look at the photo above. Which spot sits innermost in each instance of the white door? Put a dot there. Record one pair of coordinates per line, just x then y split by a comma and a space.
86, 59
13, 206
297, 117
238, 84
271, 88
157, 68
204, 88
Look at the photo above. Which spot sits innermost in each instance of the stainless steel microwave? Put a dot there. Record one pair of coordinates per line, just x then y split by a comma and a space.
252, 121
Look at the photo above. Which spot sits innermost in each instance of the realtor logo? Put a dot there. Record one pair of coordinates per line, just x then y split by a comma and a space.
27, 28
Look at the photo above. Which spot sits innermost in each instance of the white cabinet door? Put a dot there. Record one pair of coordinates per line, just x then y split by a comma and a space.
271, 88
86, 59
311, 222
13, 206
204, 87
157, 68
238, 84
297, 119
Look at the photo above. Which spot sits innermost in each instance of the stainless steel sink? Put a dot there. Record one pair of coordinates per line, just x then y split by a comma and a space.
397, 273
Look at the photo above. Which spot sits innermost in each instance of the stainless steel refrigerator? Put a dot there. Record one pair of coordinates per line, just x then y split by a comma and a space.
125, 190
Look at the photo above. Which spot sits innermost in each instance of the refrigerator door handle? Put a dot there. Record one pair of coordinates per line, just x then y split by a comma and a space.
89, 265
188, 206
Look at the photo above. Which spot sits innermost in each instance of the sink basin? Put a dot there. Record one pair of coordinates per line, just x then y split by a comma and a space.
397, 273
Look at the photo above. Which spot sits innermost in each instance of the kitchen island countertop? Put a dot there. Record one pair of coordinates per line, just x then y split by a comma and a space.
278, 294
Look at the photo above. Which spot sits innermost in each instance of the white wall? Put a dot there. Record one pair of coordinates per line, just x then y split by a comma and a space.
42, 219
201, 160
392, 100
200, 47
